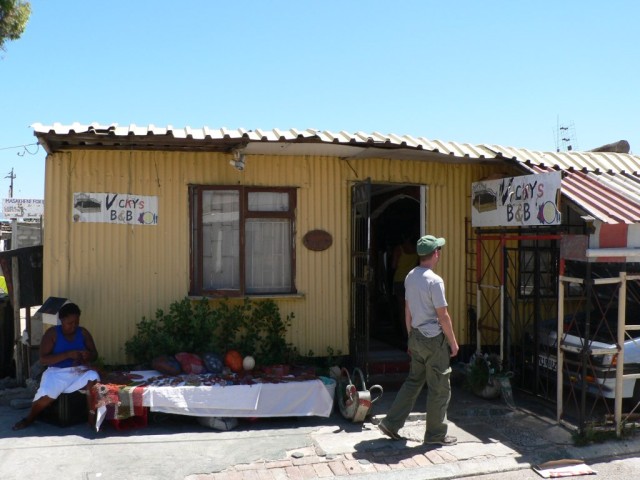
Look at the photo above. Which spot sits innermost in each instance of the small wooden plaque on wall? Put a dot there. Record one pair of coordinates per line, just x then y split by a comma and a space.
317, 240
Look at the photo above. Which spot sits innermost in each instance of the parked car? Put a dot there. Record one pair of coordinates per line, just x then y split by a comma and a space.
601, 341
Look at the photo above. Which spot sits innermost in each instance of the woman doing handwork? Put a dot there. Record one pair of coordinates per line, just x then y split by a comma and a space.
67, 351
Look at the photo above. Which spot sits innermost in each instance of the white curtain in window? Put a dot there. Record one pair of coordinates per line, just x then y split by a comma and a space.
268, 255
268, 201
221, 239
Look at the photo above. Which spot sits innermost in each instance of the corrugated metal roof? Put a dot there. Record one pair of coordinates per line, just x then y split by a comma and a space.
60, 137
607, 185
596, 194
584, 161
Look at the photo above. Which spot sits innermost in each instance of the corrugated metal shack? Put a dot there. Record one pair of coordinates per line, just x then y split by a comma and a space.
120, 269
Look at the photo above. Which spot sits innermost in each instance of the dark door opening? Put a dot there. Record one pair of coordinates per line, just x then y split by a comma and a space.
395, 218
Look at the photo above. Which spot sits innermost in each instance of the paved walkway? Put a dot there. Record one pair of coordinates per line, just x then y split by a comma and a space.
491, 438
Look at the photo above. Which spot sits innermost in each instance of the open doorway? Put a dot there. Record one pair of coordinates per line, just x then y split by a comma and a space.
395, 227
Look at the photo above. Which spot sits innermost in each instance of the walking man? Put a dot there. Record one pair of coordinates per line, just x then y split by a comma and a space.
431, 344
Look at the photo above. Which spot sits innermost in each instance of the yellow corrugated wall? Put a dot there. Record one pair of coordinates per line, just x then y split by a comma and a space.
119, 273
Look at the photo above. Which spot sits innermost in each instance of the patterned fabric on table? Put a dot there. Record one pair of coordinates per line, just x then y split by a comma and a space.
121, 401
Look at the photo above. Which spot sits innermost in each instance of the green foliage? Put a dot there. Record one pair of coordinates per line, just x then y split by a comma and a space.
14, 15
252, 328
591, 435
481, 368
323, 364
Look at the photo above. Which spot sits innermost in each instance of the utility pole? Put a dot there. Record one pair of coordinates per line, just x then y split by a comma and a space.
11, 175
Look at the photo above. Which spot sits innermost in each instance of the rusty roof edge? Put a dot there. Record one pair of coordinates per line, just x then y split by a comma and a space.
58, 136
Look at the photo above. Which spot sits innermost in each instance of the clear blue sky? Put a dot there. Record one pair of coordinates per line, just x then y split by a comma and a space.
498, 72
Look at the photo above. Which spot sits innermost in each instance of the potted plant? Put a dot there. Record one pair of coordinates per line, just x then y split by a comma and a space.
485, 375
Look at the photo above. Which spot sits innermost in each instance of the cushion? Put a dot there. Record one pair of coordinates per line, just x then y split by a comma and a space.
212, 362
166, 365
190, 362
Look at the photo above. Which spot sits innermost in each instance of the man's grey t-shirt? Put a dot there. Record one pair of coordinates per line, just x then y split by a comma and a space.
424, 292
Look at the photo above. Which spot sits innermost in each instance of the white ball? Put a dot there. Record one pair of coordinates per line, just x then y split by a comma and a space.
248, 363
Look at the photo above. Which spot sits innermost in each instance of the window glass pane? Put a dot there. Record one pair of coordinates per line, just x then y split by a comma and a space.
268, 201
221, 239
268, 255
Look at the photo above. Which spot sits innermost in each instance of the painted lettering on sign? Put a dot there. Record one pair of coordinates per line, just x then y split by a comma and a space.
516, 201
115, 208
22, 208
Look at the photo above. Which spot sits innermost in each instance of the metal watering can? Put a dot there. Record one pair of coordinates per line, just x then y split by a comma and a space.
354, 403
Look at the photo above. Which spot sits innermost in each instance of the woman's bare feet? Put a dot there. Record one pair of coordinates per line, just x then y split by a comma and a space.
24, 423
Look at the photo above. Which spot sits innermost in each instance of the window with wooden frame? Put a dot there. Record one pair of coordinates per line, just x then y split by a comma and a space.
242, 240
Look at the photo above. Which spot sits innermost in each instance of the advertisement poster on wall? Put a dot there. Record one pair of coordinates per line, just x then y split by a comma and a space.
23, 208
119, 208
527, 200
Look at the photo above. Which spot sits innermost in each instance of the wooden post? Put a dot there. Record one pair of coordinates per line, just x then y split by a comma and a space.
15, 277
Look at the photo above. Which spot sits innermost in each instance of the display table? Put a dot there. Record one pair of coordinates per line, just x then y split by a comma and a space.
192, 395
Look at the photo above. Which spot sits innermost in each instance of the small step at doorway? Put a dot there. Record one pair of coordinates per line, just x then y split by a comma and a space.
388, 365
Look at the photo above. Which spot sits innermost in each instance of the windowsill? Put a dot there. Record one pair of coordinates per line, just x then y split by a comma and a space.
274, 296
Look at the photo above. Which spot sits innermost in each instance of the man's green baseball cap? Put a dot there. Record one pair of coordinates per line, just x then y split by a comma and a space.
428, 244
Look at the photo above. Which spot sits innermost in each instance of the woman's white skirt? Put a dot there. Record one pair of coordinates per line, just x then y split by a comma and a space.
57, 380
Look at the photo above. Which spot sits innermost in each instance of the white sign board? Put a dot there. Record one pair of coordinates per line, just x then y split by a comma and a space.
22, 208
123, 208
530, 200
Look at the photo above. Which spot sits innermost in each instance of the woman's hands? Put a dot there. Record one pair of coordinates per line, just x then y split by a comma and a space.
79, 356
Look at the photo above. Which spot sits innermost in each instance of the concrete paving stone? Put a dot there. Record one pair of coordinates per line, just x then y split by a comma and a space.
338, 468
465, 451
307, 460
409, 462
232, 475
323, 470
446, 456
279, 464
265, 474
294, 473
249, 466
434, 457
421, 460
279, 474
250, 475
381, 466
307, 471
395, 463
352, 466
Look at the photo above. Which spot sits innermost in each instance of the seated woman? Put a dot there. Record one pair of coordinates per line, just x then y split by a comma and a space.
67, 350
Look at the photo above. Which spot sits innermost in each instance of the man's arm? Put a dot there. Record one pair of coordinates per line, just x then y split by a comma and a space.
407, 316
447, 328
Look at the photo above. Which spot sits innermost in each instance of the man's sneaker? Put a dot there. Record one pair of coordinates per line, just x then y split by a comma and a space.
445, 442
389, 433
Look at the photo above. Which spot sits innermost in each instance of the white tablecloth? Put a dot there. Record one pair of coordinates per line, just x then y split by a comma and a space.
286, 399
290, 399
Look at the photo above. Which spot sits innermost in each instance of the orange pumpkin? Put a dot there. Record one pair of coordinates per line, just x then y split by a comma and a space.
233, 360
